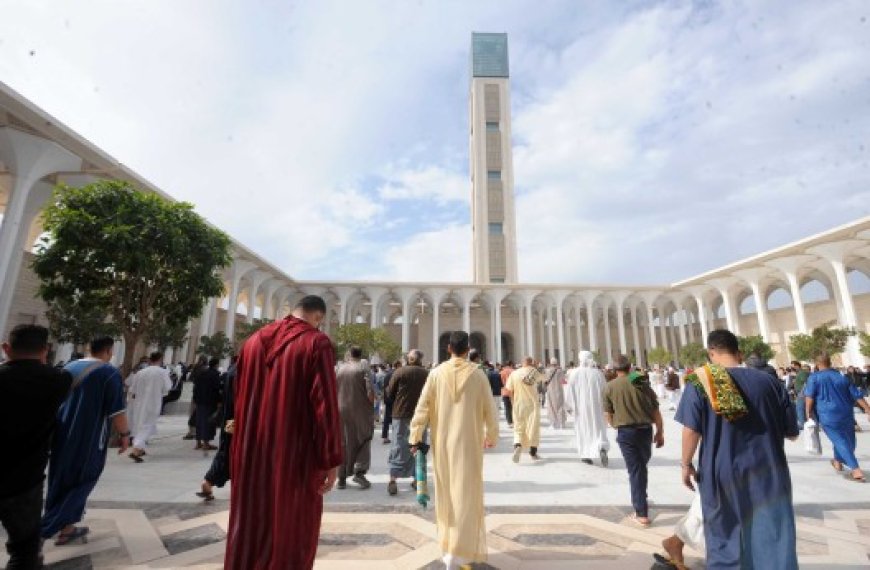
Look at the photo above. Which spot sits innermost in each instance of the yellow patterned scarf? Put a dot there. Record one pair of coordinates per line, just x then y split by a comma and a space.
719, 388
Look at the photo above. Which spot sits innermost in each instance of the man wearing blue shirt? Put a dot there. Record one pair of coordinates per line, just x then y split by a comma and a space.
833, 397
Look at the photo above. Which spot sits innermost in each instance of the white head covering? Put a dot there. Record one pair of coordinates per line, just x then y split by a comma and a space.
586, 360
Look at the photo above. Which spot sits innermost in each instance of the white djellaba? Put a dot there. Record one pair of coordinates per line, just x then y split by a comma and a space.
585, 400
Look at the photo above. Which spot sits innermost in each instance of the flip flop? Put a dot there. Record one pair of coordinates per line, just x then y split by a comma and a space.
636, 520
137, 457
850, 477
835, 463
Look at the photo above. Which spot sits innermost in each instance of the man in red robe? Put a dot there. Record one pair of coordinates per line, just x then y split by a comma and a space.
286, 442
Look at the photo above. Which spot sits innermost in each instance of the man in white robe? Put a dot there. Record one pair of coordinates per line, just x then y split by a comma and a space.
456, 404
146, 389
585, 400
553, 377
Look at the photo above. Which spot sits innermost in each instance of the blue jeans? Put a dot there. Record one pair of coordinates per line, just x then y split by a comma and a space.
636, 446
801, 409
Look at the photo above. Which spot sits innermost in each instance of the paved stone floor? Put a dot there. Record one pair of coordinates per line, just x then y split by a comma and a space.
555, 514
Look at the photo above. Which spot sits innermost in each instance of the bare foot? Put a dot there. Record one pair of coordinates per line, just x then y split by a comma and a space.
674, 548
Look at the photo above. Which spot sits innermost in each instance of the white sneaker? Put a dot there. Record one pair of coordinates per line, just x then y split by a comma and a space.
518, 451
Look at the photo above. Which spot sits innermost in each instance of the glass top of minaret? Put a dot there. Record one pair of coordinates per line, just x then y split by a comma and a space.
489, 55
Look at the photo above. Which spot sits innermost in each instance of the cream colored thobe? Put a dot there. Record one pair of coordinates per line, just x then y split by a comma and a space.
146, 390
457, 405
523, 383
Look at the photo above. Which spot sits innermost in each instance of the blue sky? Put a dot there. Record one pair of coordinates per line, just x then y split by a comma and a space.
652, 141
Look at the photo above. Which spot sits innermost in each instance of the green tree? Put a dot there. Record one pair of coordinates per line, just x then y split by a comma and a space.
146, 261
864, 339
167, 335
372, 341
659, 356
245, 330
824, 338
755, 344
78, 320
215, 346
693, 354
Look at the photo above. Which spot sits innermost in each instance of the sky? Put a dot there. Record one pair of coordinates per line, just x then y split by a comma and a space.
652, 141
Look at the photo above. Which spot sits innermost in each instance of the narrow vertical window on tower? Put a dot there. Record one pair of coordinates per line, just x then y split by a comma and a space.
495, 228
492, 126
493, 174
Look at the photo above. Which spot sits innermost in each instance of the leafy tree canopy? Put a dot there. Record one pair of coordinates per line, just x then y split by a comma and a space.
693, 354
245, 330
755, 344
660, 356
215, 346
167, 335
822, 339
373, 342
864, 339
77, 321
146, 261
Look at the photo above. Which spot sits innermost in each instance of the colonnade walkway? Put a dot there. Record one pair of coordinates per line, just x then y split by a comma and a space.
555, 514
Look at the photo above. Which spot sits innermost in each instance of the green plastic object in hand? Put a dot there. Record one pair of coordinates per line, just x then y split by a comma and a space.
422, 483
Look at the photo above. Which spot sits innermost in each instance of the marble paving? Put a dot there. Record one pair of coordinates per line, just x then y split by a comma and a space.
551, 515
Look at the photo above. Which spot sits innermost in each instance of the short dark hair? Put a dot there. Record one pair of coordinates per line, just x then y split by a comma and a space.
458, 342
473, 355
155, 356
823, 359
723, 340
101, 344
796, 363
28, 339
355, 352
312, 304
214, 361
621, 363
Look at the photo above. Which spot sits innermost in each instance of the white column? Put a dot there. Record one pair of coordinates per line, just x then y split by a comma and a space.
542, 316
559, 298
407, 296
344, 294
589, 298
608, 342
691, 325
663, 326
467, 296
528, 298
240, 268
635, 336
436, 295
548, 322
257, 279
496, 296
578, 325
619, 298
789, 266
375, 295
753, 277
724, 286
524, 341
835, 253
649, 299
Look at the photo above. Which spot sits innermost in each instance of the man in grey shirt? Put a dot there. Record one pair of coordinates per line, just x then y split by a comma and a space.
356, 397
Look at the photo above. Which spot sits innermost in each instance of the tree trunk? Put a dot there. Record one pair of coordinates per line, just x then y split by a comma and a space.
131, 345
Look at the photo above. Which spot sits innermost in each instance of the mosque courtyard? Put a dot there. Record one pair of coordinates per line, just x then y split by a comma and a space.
558, 513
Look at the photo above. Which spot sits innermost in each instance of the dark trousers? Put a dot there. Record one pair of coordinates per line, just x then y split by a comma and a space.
508, 409
636, 446
21, 516
388, 419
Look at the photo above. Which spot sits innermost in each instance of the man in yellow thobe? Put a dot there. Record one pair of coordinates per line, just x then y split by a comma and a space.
456, 404
522, 386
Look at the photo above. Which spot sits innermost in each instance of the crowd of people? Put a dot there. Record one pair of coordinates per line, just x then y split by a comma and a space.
293, 424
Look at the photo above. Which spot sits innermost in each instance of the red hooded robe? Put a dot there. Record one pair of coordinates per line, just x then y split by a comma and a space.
287, 435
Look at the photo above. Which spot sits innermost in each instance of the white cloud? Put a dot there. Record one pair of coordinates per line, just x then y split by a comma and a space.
442, 255
424, 183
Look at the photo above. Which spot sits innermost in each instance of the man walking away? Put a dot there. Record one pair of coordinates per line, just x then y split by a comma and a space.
30, 394
219, 472
631, 406
833, 397
356, 400
406, 385
800, 382
554, 375
286, 443
741, 417
505, 373
94, 407
585, 400
146, 390
456, 404
207, 399
522, 386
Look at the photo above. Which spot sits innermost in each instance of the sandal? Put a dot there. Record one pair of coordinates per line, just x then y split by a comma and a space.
205, 496
850, 477
836, 465
137, 457
637, 520
78, 533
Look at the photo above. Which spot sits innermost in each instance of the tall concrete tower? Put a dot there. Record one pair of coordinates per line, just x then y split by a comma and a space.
493, 220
